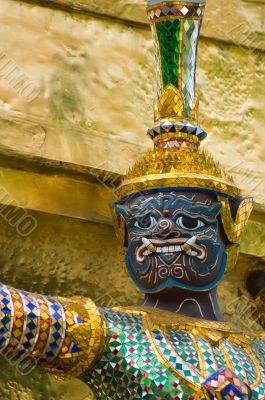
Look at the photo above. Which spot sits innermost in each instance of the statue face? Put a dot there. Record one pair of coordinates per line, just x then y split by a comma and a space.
174, 239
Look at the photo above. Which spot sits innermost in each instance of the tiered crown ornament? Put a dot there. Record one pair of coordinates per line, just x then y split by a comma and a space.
177, 161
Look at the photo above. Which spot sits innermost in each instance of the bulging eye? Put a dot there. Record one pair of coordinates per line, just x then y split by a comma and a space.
189, 223
146, 223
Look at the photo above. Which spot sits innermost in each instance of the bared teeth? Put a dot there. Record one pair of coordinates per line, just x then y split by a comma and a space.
168, 249
151, 248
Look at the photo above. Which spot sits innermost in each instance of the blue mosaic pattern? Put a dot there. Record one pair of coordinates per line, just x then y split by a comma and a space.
33, 324
176, 126
7, 314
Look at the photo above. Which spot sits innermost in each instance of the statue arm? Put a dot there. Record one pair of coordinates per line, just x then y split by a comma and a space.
65, 336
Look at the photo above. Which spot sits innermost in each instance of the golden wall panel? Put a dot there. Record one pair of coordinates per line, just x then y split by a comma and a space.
96, 81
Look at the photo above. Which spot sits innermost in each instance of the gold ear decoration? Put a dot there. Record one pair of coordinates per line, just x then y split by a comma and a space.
234, 228
232, 257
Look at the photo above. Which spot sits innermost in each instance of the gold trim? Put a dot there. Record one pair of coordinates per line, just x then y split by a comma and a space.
226, 357
200, 356
177, 119
259, 374
157, 181
166, 137
208, 338
180, 72
148, 327
160, 319
232, 257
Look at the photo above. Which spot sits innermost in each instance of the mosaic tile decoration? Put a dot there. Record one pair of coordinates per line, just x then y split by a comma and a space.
175, 27
41, 327
190, 39
124, 354
225, 385
176, 126
168, 34
175, 9
143, 361
151, 3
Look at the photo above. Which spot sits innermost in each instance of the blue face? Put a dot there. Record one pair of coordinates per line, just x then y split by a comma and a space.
174, 239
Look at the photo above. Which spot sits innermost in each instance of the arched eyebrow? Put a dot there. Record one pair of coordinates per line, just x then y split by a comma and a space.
208, 211
141, 207
174, 205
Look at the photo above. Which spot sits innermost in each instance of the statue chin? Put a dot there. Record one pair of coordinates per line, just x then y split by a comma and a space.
171, 269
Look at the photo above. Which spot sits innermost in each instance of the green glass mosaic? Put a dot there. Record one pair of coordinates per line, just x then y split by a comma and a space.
131, 368
168, 34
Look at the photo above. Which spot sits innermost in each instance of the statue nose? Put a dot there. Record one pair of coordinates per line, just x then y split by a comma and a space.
165, 225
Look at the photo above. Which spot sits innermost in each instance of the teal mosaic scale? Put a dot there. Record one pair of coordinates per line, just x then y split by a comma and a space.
143, 360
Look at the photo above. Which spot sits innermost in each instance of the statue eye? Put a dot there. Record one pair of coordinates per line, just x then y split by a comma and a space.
188, 223
146, 223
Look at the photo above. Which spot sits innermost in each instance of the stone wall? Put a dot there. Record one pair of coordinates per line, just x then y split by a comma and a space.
76, 90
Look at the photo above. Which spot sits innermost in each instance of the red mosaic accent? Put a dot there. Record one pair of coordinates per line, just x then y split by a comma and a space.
226, 381
178, 143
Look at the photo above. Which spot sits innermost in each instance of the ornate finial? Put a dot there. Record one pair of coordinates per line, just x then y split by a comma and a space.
175, 26
177, 161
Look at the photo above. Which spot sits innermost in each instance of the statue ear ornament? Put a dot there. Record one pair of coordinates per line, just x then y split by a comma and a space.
232, 256
234, 227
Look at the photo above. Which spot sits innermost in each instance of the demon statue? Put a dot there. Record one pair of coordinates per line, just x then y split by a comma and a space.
179, 220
